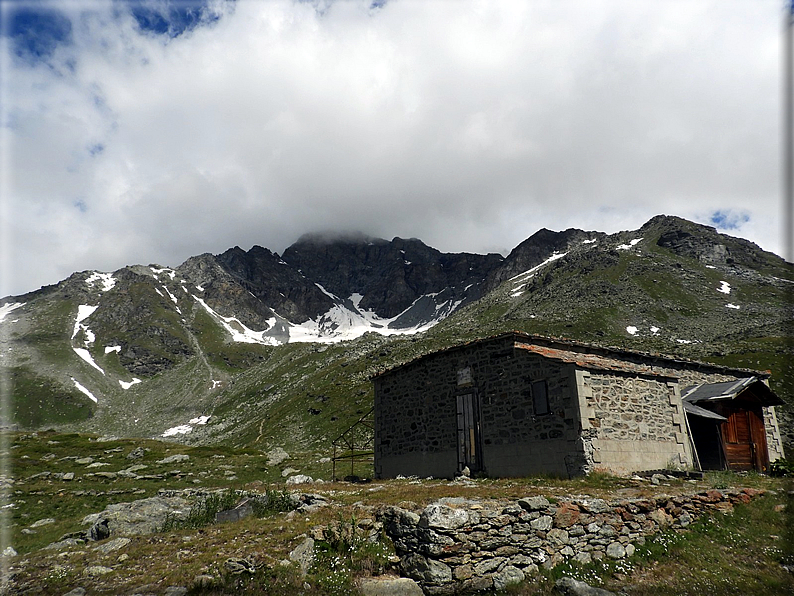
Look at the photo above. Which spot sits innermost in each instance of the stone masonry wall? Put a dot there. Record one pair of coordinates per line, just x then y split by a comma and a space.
638, 422
456, 545
516, 440
416, 413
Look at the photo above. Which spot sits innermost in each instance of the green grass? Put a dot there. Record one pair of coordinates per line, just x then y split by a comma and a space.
38, 401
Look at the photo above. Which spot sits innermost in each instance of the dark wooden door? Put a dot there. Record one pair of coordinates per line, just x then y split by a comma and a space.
469, 452
745, 440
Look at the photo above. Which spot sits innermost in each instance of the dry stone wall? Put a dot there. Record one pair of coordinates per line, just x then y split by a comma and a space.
457, 545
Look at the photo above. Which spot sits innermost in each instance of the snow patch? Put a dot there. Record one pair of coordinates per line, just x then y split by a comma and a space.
239, 332
107, 280
86, 355
655, 330
84, 390
199, 288
594, 240
629, 245
126, 386
528, 273
170, 272
109, 349
340, 323
684, 341
710, 267
6, 309
735, 306
184, 429
725, 287
83, 312
326, 292
631, 330
178, 430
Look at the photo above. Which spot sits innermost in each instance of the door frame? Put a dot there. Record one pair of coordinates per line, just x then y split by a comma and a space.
469, 431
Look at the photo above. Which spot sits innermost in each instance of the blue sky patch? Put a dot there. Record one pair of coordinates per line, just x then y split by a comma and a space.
171, 17
728, 219
36, 31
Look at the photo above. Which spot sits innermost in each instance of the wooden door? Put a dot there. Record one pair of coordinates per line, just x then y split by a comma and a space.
469, 452
745, 440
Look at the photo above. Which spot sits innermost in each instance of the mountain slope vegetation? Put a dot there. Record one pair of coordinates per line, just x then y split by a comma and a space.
253, 349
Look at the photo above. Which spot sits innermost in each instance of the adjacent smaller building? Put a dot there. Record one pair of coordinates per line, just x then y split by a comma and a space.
519, 404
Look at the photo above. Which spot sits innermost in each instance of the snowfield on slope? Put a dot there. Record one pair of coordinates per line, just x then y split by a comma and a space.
7, 309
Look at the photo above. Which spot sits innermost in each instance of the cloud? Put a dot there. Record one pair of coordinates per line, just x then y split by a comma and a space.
250, 122
729, 219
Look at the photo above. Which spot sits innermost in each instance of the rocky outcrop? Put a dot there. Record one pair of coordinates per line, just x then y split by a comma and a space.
390, 275
458, 545
144, 516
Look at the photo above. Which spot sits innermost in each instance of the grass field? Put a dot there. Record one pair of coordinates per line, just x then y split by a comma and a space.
739, 554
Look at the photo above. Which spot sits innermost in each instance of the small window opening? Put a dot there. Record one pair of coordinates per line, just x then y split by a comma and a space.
540, 398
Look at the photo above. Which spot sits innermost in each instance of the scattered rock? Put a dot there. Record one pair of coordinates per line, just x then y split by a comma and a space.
65, 543
143, 516
132, 471
84, 461
96, 570
389, 586
238, 566
42, 522
300, 479
98, 531
136, 453
276, 456
303, 555
287, 471
175, 591
9, 552
68, 476
112, 545
172, 459
567, 586
76, 592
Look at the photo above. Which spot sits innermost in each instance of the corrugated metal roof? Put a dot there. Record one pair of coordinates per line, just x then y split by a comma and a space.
709, 392
690, 408
724, 390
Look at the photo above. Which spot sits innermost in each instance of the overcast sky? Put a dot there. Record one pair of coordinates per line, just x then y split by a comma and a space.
150, 132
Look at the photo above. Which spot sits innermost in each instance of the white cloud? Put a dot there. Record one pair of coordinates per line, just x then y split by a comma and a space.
468, 124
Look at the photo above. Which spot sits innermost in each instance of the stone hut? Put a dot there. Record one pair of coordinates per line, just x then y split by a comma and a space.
518, 404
